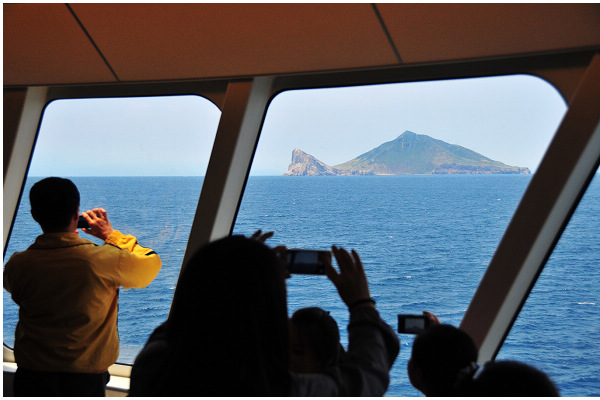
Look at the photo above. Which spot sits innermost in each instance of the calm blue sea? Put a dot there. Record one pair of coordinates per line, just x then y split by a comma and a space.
425, 242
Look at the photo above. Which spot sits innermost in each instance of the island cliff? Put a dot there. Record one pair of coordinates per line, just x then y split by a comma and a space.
304, 164
408, 154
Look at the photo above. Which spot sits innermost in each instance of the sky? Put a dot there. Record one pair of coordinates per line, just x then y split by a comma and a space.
508, 119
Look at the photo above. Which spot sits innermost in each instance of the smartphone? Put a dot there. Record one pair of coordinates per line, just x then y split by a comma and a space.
302, 261
82, 222
412, 323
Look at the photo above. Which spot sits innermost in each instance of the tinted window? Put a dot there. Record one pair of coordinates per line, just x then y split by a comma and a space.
141, 159
425, 238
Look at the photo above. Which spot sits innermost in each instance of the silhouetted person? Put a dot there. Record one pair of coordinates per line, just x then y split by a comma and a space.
438, 354
507, 379
67, 289
227, 333
314, 340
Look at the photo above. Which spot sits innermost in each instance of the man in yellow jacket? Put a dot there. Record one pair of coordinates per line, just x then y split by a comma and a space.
66, 288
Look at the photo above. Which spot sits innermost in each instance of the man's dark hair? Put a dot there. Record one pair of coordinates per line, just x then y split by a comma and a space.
320, 331
53, 203
440, 353
508, 378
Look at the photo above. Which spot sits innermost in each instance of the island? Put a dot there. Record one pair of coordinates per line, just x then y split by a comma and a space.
408, 154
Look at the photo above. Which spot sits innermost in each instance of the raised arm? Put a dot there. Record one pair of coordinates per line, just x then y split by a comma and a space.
139, 265
351, 282
373, 345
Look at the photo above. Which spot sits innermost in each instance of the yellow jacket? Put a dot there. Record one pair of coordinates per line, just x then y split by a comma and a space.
66, 288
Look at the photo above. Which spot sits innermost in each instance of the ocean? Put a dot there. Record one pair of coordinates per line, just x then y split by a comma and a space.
425, 242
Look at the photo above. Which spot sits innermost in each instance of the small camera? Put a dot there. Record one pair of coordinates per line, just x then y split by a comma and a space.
413, 324
301, 261
83, 223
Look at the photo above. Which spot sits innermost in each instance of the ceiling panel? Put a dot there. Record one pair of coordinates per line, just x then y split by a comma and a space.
44, 44
181, 41
440, 32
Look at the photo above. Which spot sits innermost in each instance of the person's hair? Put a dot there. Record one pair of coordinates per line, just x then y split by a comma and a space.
319, 331
228, 327
440, 353
53, 201
507, 379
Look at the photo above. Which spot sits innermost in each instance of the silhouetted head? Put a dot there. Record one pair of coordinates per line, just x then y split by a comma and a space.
228, 322
54, 202
314, 340
438, 354
508, 379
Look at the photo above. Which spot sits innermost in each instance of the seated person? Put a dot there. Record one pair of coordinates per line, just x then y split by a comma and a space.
438, 355
227, 333
314, 340
507, 379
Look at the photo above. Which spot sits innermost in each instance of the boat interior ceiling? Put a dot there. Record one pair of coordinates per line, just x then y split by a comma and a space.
241, 55
71, 44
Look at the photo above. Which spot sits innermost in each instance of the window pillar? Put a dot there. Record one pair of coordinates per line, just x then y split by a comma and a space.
545, 209
22, 115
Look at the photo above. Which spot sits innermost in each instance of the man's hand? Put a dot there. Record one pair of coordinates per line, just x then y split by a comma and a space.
260, 236
433, 319
100, 226
279, 250
351, 282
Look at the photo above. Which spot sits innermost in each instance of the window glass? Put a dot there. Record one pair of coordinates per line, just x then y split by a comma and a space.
141, 159
558, 329
425, 238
